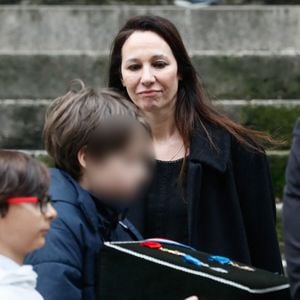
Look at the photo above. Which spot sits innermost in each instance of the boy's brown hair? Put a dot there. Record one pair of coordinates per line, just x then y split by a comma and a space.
100, 120
21, 176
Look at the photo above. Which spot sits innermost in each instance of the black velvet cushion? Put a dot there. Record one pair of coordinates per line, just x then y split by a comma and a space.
131, 271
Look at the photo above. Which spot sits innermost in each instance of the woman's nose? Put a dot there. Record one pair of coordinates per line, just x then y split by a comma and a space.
51, 212
147, 76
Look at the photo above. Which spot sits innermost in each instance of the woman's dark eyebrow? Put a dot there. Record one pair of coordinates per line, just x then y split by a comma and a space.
159, 56
132, 60
154, 57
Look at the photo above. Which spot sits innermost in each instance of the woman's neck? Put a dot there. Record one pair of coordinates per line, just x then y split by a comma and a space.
163, 125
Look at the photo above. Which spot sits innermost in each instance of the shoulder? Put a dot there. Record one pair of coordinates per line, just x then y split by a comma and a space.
297, 128
62, 186
218, 148
295, 148
246, 153
73, 225
73, 204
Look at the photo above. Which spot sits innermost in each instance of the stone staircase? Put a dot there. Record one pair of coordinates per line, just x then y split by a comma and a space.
248, 57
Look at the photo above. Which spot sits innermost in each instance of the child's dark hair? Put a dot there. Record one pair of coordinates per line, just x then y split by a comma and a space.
99, 119
21, 176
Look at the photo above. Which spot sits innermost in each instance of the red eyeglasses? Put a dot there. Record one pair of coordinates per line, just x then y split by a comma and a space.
43, 203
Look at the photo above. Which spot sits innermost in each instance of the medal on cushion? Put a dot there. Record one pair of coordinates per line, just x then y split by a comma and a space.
226, 261
187, 258
170, 242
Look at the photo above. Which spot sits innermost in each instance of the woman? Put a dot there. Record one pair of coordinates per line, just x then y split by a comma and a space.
212, 186
25, 217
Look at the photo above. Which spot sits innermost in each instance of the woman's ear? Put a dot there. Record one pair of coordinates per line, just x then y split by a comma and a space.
122, 81
82, 157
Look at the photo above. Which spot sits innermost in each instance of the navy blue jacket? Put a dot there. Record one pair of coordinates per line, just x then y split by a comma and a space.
66, 264
291, 214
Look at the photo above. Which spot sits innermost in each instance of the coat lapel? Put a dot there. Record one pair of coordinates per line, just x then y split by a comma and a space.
203, 153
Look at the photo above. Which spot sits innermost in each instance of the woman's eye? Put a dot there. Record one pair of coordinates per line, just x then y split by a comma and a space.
160, 64
133, 67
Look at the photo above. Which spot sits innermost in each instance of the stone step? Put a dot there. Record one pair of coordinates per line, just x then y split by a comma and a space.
91, 28
245, 75
275, 117
22, 120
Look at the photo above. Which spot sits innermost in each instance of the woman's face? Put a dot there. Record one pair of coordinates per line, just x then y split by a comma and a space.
149, 72
24, 227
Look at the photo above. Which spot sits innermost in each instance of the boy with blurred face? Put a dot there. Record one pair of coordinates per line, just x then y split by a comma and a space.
102, 151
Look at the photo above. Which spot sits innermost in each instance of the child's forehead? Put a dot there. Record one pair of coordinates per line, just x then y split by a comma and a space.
117, 133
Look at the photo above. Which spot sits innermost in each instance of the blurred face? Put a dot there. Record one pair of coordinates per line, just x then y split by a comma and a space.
122, 174
149, 72
24, 227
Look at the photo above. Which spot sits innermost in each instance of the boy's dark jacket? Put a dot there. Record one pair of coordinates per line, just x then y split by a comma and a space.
66, 264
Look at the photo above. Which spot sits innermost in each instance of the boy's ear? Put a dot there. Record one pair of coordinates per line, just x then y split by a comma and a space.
81, 156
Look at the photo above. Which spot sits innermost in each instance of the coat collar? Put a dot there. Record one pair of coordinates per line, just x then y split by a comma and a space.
65, 188
203, 152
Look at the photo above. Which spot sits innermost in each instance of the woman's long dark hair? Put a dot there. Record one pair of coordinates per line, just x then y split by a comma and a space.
192, 107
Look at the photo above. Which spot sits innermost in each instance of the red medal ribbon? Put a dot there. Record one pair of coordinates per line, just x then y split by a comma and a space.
151, 245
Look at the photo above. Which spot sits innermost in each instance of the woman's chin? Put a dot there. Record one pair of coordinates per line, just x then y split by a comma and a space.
149, 107
147, 104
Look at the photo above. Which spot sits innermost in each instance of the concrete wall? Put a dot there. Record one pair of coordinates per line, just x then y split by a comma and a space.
242, 53
91, 28
247, 77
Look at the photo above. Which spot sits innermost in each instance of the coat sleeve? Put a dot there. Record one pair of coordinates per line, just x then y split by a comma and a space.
291, 214
255, 192
58, 264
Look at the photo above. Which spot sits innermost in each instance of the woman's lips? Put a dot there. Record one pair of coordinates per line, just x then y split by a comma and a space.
150, 93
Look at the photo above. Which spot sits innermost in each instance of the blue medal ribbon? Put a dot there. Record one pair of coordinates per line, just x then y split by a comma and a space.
220, 259
192, 260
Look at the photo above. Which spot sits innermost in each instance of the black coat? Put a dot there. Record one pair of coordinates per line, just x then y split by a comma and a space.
291, 213
231, 207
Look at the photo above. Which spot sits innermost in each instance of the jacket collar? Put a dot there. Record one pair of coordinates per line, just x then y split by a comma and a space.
109, 217
65, 188
203, 152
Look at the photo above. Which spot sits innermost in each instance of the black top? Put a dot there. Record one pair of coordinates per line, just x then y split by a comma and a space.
166, 205
230, 201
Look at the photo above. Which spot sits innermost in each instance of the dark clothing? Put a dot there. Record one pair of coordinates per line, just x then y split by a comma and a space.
66, 264
291, 215
166, 212
231, 207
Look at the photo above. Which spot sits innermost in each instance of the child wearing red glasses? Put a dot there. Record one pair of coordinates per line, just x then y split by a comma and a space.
25, 217
102, 152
